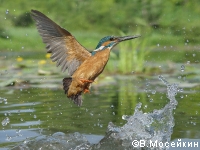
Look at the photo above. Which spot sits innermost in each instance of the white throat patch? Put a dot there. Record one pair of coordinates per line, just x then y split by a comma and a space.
99, 49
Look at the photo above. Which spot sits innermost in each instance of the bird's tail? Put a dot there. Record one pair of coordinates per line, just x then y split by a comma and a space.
76, 98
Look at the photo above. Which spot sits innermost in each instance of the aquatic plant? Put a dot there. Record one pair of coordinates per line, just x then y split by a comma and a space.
132, 55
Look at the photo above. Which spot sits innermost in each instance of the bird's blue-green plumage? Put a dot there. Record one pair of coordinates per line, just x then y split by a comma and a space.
107, 38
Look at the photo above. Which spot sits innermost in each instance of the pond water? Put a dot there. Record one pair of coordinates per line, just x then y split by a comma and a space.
31, 106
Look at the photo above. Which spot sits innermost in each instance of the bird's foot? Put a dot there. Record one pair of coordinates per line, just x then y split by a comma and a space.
86, 91
86, 81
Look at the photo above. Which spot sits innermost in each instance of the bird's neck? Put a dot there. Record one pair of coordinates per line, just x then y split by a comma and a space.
103, 56
101, 48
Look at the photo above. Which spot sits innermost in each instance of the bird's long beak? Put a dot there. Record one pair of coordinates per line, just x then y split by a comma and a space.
124, 38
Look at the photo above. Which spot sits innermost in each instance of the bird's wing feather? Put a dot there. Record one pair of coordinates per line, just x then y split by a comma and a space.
65, 49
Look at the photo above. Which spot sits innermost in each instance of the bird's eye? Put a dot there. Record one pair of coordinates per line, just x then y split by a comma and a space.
112, 38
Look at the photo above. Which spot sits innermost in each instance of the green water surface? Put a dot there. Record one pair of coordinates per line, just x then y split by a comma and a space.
38, 110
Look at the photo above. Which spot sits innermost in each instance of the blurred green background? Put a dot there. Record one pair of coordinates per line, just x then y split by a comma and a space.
168, 28
164, 22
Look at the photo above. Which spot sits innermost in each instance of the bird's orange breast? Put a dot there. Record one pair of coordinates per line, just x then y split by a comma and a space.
88, 70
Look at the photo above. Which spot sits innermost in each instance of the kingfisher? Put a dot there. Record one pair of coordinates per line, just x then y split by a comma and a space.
83, 66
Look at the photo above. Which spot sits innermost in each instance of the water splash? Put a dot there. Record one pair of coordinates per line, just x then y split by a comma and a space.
149, 127
58, 141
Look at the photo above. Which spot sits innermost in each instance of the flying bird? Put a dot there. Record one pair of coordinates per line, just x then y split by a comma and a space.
83, 66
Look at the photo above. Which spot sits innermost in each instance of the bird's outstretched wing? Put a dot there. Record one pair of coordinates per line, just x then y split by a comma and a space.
65, 49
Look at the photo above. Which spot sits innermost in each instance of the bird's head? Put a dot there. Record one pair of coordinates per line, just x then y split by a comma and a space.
111, 41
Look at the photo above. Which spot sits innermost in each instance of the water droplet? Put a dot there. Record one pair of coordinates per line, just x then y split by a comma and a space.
7, 11
34, 116
182, 68
158, 45
145, 106
8, 138
179, 77
193, 55
113, 113
9, 113
180, 90
22, 47
124, 117
3, 100
160, 77
5, 121
181, 96
21, 119
153, 92
112, 106
25, 141
151, 100
7, 37
91, 114
18, 131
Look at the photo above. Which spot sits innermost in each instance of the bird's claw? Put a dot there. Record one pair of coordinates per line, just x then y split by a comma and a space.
86, 91
86, 81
